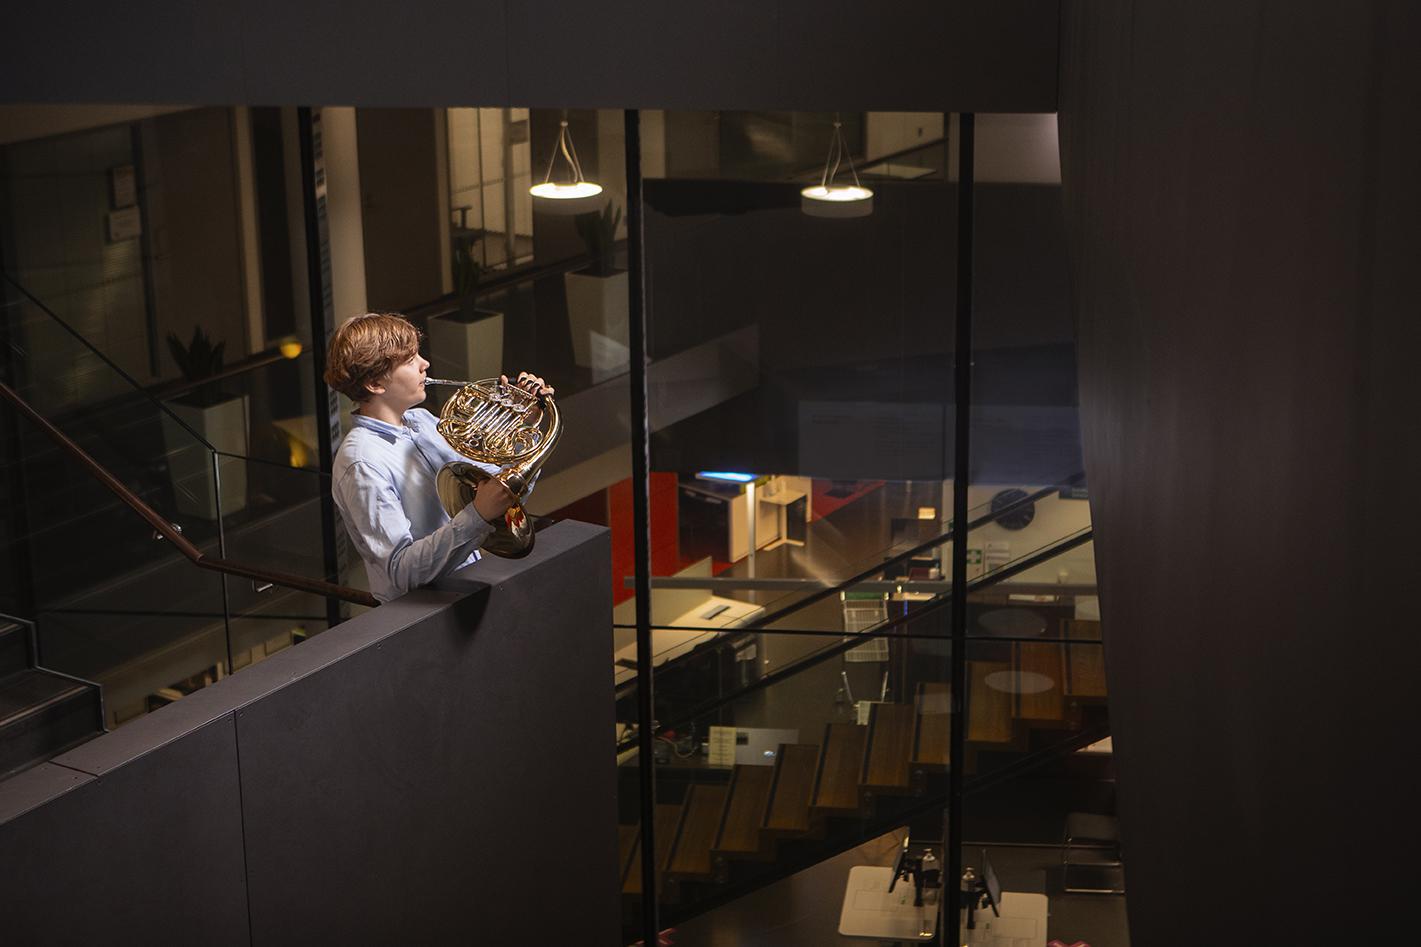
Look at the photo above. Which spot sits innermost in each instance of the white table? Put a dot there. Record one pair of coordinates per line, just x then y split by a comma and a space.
1022, 922
871, 912
694, 631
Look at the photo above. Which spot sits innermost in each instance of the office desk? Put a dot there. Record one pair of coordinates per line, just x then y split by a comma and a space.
693, 631
790, 512
1022, 924
872, 913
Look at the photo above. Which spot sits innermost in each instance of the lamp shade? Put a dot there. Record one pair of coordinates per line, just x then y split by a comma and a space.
567, 199
579, 196
836, 200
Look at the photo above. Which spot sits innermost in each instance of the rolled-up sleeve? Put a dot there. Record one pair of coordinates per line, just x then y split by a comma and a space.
380, 530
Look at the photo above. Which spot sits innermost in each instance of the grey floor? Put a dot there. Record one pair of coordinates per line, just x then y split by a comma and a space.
803, 910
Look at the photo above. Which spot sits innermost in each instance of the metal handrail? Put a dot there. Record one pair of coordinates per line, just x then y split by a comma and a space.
1023, 765
764, 622
504, 280
169, 532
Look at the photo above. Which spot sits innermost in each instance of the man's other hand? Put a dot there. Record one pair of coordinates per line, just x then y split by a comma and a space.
492, 500
532, 384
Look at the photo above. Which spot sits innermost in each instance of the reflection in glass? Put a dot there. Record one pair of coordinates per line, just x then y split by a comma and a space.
770, 778
831, 199
489, 175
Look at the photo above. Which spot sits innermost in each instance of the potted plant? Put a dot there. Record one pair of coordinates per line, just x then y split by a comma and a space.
466, 344
597, 298
219, 418
467, 269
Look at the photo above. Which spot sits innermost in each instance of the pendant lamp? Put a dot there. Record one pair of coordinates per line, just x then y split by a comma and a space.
827, 199
577, 196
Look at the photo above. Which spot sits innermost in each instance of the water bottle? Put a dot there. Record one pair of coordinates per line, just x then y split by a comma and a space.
932, 877
932, 871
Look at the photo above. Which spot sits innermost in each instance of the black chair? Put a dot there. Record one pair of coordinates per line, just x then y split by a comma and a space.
1091, 862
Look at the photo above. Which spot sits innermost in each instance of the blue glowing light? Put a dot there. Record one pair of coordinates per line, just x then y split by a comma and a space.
725, 475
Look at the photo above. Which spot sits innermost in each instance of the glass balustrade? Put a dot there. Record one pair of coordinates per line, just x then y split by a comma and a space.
885, 589
113, 600
857, 732
802, 625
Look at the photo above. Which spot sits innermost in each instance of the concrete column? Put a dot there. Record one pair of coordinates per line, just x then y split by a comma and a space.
338, 140
345, 223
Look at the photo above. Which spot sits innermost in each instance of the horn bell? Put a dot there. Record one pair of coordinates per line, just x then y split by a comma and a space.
505, 427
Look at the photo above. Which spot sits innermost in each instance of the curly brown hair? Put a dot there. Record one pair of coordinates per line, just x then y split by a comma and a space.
366, 348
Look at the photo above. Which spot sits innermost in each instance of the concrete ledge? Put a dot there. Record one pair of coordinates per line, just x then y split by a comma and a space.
379, 783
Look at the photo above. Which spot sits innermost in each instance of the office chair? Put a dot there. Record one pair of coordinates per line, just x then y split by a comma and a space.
1103, 873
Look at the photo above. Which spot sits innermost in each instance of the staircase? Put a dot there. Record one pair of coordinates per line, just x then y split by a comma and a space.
42, 713
730, 830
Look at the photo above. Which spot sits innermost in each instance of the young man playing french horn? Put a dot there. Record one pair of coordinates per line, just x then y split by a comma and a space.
384, 476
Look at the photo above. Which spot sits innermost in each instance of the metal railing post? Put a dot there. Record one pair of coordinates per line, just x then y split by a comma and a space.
961, 474
641, 520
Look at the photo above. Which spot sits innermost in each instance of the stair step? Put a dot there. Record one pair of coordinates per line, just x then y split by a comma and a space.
14, 648
888, 748
788, 808
836, 788
1085, 663
989, 717
665, 820
27, 691
739, 833
690, 855
41, 714
1040, 665
932, 742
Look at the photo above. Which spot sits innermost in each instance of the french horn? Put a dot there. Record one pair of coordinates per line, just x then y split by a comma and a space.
505, 426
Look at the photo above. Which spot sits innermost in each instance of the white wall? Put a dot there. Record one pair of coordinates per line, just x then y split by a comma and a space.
1016, 149
887, 133
1054, 519
339, 144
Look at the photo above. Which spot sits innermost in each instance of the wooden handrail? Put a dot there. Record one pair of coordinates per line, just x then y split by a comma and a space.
169, 532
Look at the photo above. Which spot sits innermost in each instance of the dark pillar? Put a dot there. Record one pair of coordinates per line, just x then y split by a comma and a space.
1242, 201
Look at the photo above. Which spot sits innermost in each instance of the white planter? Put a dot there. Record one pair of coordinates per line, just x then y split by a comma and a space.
597, 316
466, 345
224, 426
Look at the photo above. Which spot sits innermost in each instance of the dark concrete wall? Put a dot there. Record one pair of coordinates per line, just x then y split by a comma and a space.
425, 773
126, 851
960, 55
1243, 207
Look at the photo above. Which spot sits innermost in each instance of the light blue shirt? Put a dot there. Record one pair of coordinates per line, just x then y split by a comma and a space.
383, 483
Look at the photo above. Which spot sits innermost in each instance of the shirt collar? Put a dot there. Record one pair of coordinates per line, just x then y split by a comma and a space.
383, 428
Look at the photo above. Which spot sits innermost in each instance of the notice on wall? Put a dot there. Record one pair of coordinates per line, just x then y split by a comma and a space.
123, 186
722, 746
126, 224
